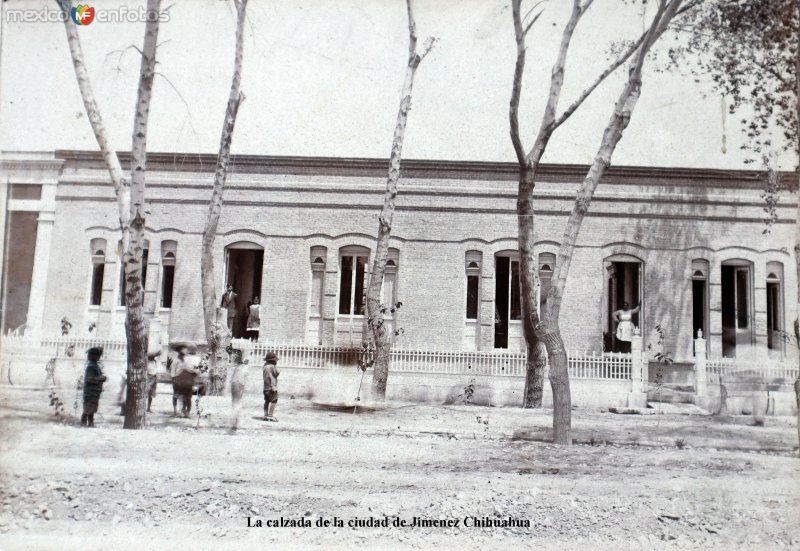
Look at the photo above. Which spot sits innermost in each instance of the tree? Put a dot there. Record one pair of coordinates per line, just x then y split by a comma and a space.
215, 333
135, 328
750, 50
118, 180
375, 310
544, 328
136, 333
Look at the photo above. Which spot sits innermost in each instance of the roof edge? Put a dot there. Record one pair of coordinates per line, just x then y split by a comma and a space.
205, 162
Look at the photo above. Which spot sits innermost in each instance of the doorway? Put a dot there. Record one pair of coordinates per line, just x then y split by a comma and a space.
244, 264
737, 318
623, 284
507, 316
776, 338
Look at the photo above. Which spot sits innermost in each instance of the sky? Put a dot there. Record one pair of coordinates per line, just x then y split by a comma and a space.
323, 78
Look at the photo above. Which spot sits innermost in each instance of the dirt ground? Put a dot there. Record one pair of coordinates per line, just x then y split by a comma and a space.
634, 481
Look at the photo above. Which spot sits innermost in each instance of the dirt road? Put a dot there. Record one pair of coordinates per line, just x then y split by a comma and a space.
173, 486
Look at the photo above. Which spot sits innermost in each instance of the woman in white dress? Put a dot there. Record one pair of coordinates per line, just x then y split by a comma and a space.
625, 327
254, 319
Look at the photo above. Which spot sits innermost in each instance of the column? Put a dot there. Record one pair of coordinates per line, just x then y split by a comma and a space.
759, 310
331, 287
486, 309
105, 314
154, 335
150, 286
41, 261
715, 308
3, 208
637, 398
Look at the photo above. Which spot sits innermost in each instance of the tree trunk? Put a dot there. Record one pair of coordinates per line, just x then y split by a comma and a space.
559, 382
118, 180
797, 230
375, 310
528, 282
215, 333
135, 329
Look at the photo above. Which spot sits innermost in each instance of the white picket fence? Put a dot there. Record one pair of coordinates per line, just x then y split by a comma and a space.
584, 365
729, 369
405, 359
62, 347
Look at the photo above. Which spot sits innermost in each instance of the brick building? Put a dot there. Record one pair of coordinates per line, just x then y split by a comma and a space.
686, 243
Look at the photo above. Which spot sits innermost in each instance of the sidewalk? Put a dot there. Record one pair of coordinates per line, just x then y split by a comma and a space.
593, 427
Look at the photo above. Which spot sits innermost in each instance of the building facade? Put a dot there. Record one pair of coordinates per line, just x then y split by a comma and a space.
687, 245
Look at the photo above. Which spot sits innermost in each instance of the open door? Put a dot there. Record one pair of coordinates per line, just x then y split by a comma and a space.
624, 276
737, 308
244, 262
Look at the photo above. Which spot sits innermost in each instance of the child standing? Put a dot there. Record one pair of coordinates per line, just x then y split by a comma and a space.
183, 376
271, 373
93, 380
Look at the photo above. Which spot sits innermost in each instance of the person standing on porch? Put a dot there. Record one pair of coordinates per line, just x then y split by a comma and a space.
229, 303
625, 327
254, 319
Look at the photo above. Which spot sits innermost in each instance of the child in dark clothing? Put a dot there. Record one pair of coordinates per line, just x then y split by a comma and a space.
271, 373
93, 380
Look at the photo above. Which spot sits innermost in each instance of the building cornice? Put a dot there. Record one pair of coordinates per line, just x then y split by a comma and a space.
426, 169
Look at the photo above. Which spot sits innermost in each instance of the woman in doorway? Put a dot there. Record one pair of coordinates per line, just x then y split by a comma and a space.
625, 327
254, 319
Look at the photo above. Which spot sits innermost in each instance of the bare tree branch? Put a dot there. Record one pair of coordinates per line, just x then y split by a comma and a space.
535, 18
556, 82
516, 89
535, 5
588, 91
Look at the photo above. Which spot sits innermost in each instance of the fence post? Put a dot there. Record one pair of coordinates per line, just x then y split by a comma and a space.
700, 364
636, 398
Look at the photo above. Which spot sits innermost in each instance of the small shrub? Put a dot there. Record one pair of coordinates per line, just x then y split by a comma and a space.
58, 407
680, 443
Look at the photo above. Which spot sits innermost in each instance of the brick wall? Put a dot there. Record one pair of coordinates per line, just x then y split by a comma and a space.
665, 220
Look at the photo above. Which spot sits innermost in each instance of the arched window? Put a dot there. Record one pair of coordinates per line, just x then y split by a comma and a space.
98, 248
169, 253
389, 289
547, 264
699, 297
473, 260
318, 256
352, 269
